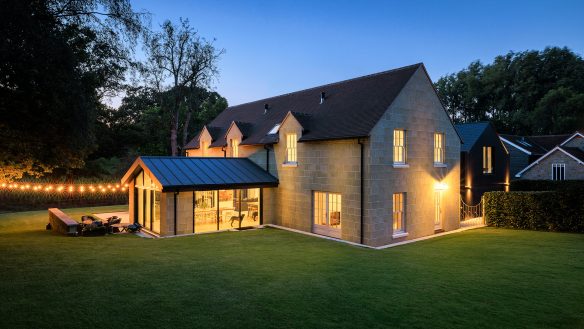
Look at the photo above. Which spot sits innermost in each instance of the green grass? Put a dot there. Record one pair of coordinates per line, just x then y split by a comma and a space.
484, 278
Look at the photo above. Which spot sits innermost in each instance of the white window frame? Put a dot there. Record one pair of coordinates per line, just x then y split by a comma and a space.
234, 148
439, 149
487, 159
399, 215
291, 148
558, 169
329, 202
400, 148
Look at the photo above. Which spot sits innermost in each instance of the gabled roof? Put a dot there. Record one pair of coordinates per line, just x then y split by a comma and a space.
576, 134
470, 133
190, 173
536, 145
350, 110
572, 152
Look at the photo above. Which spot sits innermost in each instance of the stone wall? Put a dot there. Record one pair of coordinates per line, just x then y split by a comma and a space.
543, 170
418, 111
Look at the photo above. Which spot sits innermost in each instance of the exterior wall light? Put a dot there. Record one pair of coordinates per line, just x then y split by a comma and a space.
439, 186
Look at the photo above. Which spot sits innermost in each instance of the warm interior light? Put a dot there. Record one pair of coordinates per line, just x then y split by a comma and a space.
439, 186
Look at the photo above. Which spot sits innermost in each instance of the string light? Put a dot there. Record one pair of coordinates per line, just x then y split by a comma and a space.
70, 188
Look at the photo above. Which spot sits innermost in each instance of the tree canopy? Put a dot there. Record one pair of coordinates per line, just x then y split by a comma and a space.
57, 59
530, 92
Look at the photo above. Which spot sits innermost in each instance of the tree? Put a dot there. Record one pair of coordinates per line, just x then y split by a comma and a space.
180, 64
57, 59
531, 92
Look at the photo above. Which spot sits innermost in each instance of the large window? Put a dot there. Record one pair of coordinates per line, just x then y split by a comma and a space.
226, 209
558, 171
487, 160
327, 213
147, 202
234, 148
399, 146
291, 141
439, 148
399, 213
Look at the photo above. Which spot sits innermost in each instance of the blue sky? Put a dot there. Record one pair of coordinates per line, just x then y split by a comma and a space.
275, 47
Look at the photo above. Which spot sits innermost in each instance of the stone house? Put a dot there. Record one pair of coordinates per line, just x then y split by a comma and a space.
372, 160
563, 161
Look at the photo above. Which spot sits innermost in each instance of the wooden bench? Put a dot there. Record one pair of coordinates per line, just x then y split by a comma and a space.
62, 223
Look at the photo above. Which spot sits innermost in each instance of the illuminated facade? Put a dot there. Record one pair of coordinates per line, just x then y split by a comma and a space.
372, 160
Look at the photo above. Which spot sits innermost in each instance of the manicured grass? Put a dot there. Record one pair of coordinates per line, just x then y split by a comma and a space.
484, 278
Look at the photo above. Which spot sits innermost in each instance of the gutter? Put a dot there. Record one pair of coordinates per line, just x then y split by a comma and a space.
362, 200
267, 148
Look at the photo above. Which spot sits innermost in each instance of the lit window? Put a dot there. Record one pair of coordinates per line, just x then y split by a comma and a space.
204, 147
399, 213
558, 171
438, 148
291, 142
399, 146
234, 148
274, 130
327, 209
487, 160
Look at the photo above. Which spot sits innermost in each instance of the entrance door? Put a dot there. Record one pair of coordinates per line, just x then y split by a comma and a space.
438, 210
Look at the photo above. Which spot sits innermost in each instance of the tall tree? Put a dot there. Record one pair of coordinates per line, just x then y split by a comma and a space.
180, 64
531, 92
57, 59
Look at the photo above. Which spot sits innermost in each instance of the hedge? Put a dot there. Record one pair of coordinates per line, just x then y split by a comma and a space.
559, 211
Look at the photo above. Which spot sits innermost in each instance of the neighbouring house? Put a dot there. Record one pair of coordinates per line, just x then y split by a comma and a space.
524, 150
562, 156
484, 161
372, 160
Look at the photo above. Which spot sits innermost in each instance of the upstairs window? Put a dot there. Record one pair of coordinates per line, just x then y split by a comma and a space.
399, 146
204, 148
291, 142
234, 148
439, 148
558, 171
487, 160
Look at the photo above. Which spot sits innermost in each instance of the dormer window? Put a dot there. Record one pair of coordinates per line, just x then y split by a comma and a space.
234, 148
204, 147
274, 130
291, 143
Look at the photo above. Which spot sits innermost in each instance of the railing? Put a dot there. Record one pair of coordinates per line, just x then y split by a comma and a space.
468, 212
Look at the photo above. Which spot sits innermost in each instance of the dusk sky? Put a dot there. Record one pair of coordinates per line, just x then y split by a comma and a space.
275, 47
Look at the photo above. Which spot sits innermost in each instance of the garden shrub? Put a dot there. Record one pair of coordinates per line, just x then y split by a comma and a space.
561, 211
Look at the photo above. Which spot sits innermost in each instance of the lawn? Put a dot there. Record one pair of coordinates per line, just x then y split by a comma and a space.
484, 278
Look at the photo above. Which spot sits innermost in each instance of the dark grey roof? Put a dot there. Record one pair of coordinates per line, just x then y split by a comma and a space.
350, 110
537, 145
190, 173
470, 133
575, 152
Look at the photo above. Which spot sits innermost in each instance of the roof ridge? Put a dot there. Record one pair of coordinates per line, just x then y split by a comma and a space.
368, 76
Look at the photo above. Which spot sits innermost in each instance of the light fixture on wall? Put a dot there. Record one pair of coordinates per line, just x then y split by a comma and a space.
439, 186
